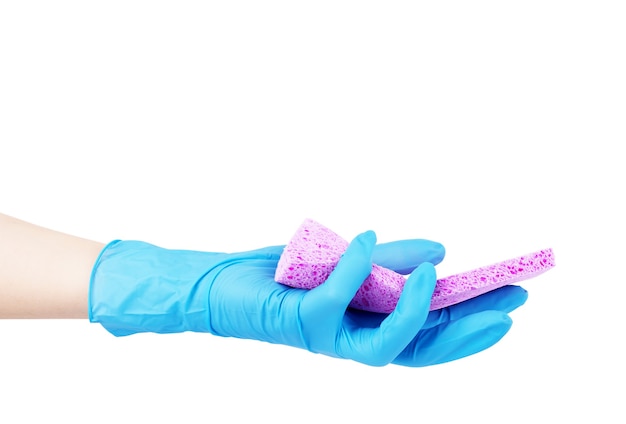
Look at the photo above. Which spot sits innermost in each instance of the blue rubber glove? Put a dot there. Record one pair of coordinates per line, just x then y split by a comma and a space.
138, 287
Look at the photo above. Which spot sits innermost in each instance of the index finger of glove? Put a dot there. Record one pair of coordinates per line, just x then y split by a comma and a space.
329, 300
402, 325
403, 256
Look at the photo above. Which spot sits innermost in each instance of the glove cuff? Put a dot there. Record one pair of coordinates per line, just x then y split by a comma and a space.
138, 287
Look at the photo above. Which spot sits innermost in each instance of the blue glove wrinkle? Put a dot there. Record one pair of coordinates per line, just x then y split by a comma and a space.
138, 287
246, 303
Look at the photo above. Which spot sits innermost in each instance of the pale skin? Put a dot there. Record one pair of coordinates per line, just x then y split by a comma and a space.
43, 273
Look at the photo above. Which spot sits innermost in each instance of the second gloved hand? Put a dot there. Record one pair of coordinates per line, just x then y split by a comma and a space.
139, 287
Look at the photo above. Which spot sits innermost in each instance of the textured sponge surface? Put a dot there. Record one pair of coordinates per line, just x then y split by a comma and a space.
310, 257
466, 285
314, 251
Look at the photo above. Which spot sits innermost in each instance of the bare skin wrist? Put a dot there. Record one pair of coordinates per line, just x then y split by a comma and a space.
43, 273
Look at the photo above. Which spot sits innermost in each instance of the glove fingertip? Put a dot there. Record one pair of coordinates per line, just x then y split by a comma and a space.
417, 293
427, 271
438, 252
366, 239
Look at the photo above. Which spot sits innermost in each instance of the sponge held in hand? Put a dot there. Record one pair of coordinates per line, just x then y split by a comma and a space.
314, 251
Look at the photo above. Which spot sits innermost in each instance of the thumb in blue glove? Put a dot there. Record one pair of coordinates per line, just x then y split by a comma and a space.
139, 287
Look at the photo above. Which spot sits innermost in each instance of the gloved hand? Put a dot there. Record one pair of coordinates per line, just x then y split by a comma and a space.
138, 287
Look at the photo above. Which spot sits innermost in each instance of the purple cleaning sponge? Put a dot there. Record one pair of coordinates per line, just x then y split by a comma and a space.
312, 254
314, 251
466, 285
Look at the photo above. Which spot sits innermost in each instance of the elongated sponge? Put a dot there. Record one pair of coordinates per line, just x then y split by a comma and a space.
314, 251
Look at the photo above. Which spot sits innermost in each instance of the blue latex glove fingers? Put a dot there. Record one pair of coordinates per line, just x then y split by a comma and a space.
505, 299
329, 328
403, 256
455, 339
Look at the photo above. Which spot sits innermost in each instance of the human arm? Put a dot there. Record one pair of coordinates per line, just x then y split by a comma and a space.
133, 286
43, 273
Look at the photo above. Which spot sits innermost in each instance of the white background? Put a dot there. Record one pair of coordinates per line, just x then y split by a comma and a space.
492, 127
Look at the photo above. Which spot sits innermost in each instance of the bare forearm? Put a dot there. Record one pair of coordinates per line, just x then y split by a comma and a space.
43, 273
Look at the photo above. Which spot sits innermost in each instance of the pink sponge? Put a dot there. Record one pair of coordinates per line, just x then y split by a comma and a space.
314, 251
466, 285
